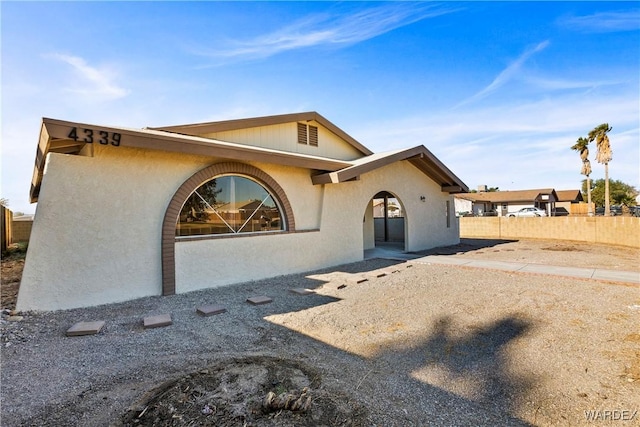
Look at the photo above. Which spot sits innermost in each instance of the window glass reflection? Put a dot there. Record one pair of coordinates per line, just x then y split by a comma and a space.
229, 204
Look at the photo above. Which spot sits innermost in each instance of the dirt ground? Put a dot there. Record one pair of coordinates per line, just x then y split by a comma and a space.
504, 348
550, 252
12, 265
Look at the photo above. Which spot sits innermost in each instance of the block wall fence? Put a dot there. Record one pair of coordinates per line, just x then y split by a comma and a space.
617, 230
13, 231
21, 231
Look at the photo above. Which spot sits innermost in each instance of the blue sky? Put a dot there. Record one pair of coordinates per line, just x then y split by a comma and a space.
498, 91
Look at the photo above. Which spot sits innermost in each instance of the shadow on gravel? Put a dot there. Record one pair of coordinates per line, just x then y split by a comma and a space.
481, 356
479, 361
102, 387
465, 245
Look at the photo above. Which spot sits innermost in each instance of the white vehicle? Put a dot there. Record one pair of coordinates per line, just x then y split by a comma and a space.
528, 212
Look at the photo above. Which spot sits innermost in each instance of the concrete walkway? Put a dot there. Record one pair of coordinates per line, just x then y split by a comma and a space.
553, 270
394, 253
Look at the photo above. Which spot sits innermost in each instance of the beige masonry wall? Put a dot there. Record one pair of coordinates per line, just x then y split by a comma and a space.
618, 230
21, 231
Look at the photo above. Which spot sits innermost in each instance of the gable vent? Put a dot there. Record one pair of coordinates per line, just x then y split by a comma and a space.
313, 135
307, 134
302, 133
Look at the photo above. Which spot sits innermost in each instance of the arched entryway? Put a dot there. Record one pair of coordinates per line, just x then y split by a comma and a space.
384, 225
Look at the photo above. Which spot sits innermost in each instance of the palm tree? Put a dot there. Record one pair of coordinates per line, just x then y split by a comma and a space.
582, 147
603, 156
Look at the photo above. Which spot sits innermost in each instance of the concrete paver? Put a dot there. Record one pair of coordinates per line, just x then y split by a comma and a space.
210, 310
157, 321
259, 300
85, 328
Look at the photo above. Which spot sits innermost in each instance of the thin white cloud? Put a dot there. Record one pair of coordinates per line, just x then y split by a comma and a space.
520, 144
604, 22
328, 30
92, 81
508, 122
507, 74
560, 84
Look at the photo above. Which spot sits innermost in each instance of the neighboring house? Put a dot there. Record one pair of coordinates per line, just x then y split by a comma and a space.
126, 213
567, 200
463, 205
501, 203
567, 197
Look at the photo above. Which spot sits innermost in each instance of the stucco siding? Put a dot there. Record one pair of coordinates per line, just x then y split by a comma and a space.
368, 228
97, 232
284, 137
425, 221
341, 237
317, 243
305, 198
80, 253
219, 262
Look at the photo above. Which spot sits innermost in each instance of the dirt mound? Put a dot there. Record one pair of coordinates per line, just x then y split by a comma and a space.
237, 393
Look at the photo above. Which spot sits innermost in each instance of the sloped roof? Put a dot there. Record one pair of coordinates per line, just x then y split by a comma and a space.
253, 205
569, 195
58, 136
419, 156
227, 125
510, 196
464, 196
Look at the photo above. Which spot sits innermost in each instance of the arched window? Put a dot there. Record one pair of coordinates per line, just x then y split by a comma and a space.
230, 204
173, 220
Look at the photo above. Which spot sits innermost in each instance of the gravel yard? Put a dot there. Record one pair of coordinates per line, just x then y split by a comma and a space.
414, 344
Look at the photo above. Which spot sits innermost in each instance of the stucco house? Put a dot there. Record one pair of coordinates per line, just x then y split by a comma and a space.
463, 205
128, 213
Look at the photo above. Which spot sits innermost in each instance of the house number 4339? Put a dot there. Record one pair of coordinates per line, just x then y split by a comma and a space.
91, 135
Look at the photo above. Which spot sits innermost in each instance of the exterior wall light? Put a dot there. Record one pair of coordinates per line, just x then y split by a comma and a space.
422, 198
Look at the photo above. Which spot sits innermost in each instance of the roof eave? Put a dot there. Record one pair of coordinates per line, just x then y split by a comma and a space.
227, 125
419, 156
55, 137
